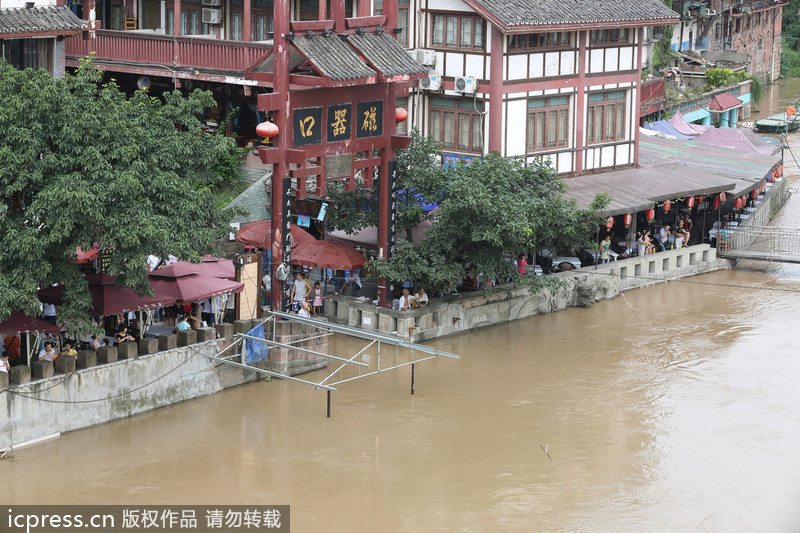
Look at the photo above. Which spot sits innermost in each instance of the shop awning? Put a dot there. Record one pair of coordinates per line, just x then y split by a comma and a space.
21, 323
671, 169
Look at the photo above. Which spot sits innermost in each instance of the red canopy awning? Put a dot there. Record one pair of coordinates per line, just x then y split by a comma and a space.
193, 288
327, 254
215, 268
21, 323
254, 234
107, 298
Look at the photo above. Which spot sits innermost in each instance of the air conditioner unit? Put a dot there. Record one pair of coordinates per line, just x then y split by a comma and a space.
423, 57
466, 84
217, 3
212, 16
432, 83
705, 12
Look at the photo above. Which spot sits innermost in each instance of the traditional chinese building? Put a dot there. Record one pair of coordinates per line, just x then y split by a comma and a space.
549, 79
32, 33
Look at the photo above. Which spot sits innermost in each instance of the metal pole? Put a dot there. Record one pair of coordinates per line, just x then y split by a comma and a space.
329, 404
412, 379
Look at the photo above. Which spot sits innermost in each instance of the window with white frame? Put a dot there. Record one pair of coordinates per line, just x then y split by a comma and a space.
605, 117
548, 123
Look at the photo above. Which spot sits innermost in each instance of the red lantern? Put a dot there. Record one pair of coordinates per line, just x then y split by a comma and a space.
667, 205
627, 219
754, 194
400, 114
650, 214
772, 178
690, 202
737, 204
267, 129
722, 197
716, 202
610, 223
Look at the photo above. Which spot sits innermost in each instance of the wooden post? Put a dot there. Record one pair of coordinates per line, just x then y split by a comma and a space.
176, 22
246, 22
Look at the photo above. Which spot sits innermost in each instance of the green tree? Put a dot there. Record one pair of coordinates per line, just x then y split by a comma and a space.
489, 211
81, 164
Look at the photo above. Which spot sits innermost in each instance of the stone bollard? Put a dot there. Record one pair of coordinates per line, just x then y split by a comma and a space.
4, 380
107, 354
127, 350
148, 345
66, 364
20, 374
224, 330
206, 334
187, 337
87, 359
168, 341
241, 326
42, 369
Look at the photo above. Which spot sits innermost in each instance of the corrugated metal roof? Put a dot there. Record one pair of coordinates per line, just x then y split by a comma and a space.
51, 19
672, 169
544, 12
334, 58
386, 55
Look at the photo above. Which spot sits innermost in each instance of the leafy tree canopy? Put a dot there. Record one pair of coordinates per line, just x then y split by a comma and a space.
489, 212
81, 164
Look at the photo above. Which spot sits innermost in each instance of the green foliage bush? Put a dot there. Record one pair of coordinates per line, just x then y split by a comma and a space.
723, 77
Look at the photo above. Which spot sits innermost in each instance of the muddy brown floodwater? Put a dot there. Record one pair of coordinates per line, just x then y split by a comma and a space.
674, 408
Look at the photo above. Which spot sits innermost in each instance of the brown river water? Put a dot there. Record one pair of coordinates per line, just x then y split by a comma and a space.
675, 408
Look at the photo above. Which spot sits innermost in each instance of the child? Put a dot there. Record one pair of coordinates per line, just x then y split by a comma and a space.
317, 299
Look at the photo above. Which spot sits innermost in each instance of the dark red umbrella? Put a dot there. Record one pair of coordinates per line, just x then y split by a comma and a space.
177, 269
107, 298
21, 323
191, 288
327, 254
254, 234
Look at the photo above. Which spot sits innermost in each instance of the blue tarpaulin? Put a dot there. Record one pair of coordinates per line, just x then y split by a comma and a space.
256, 351
666, 128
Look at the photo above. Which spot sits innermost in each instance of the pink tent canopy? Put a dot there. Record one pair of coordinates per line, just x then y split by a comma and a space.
679, 123
84, 256
216, 268
254, 235
192, 288
21, 323
736, 139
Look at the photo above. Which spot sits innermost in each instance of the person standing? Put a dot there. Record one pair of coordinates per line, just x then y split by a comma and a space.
4, 366
663, 238
317, 299
207, 312
605, 247
300, 292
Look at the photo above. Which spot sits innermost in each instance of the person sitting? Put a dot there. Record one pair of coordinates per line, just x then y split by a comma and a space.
304, 310
406, 300
48, 353
96, 342
663, 238
421, 298
69, 350
124, 336
182, 325
194, 322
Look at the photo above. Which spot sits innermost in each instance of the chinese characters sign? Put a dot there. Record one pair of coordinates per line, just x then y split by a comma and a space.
307, 126
369, 117
339, 122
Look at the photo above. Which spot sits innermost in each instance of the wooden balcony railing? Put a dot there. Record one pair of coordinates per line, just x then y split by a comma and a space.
149, 48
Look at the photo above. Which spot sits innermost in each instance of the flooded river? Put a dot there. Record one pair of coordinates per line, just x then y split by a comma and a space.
674, 408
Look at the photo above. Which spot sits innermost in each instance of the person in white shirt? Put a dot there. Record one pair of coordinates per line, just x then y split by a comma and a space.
421, 298
406, 300
48, 353
153, 261
304, 311
4, 366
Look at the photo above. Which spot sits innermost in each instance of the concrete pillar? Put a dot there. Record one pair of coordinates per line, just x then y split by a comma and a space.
206, 334
127, 350
723, 119
706, 120
734, 117
167, 342
4, 378
241, 326
87, 359
66, 364
107, 354
148, 345
20, 374
187, 337
42, 369
224, 329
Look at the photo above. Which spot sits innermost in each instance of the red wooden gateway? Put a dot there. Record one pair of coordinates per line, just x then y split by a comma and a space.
335, 85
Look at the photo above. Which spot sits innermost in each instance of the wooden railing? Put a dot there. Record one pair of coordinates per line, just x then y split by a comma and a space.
191, 52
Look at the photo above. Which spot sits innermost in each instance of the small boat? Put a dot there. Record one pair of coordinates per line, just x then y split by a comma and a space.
778, 123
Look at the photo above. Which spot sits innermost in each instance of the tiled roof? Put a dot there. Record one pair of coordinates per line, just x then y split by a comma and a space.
723, 102
385, 54
333, 57
45, 20
548, 12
